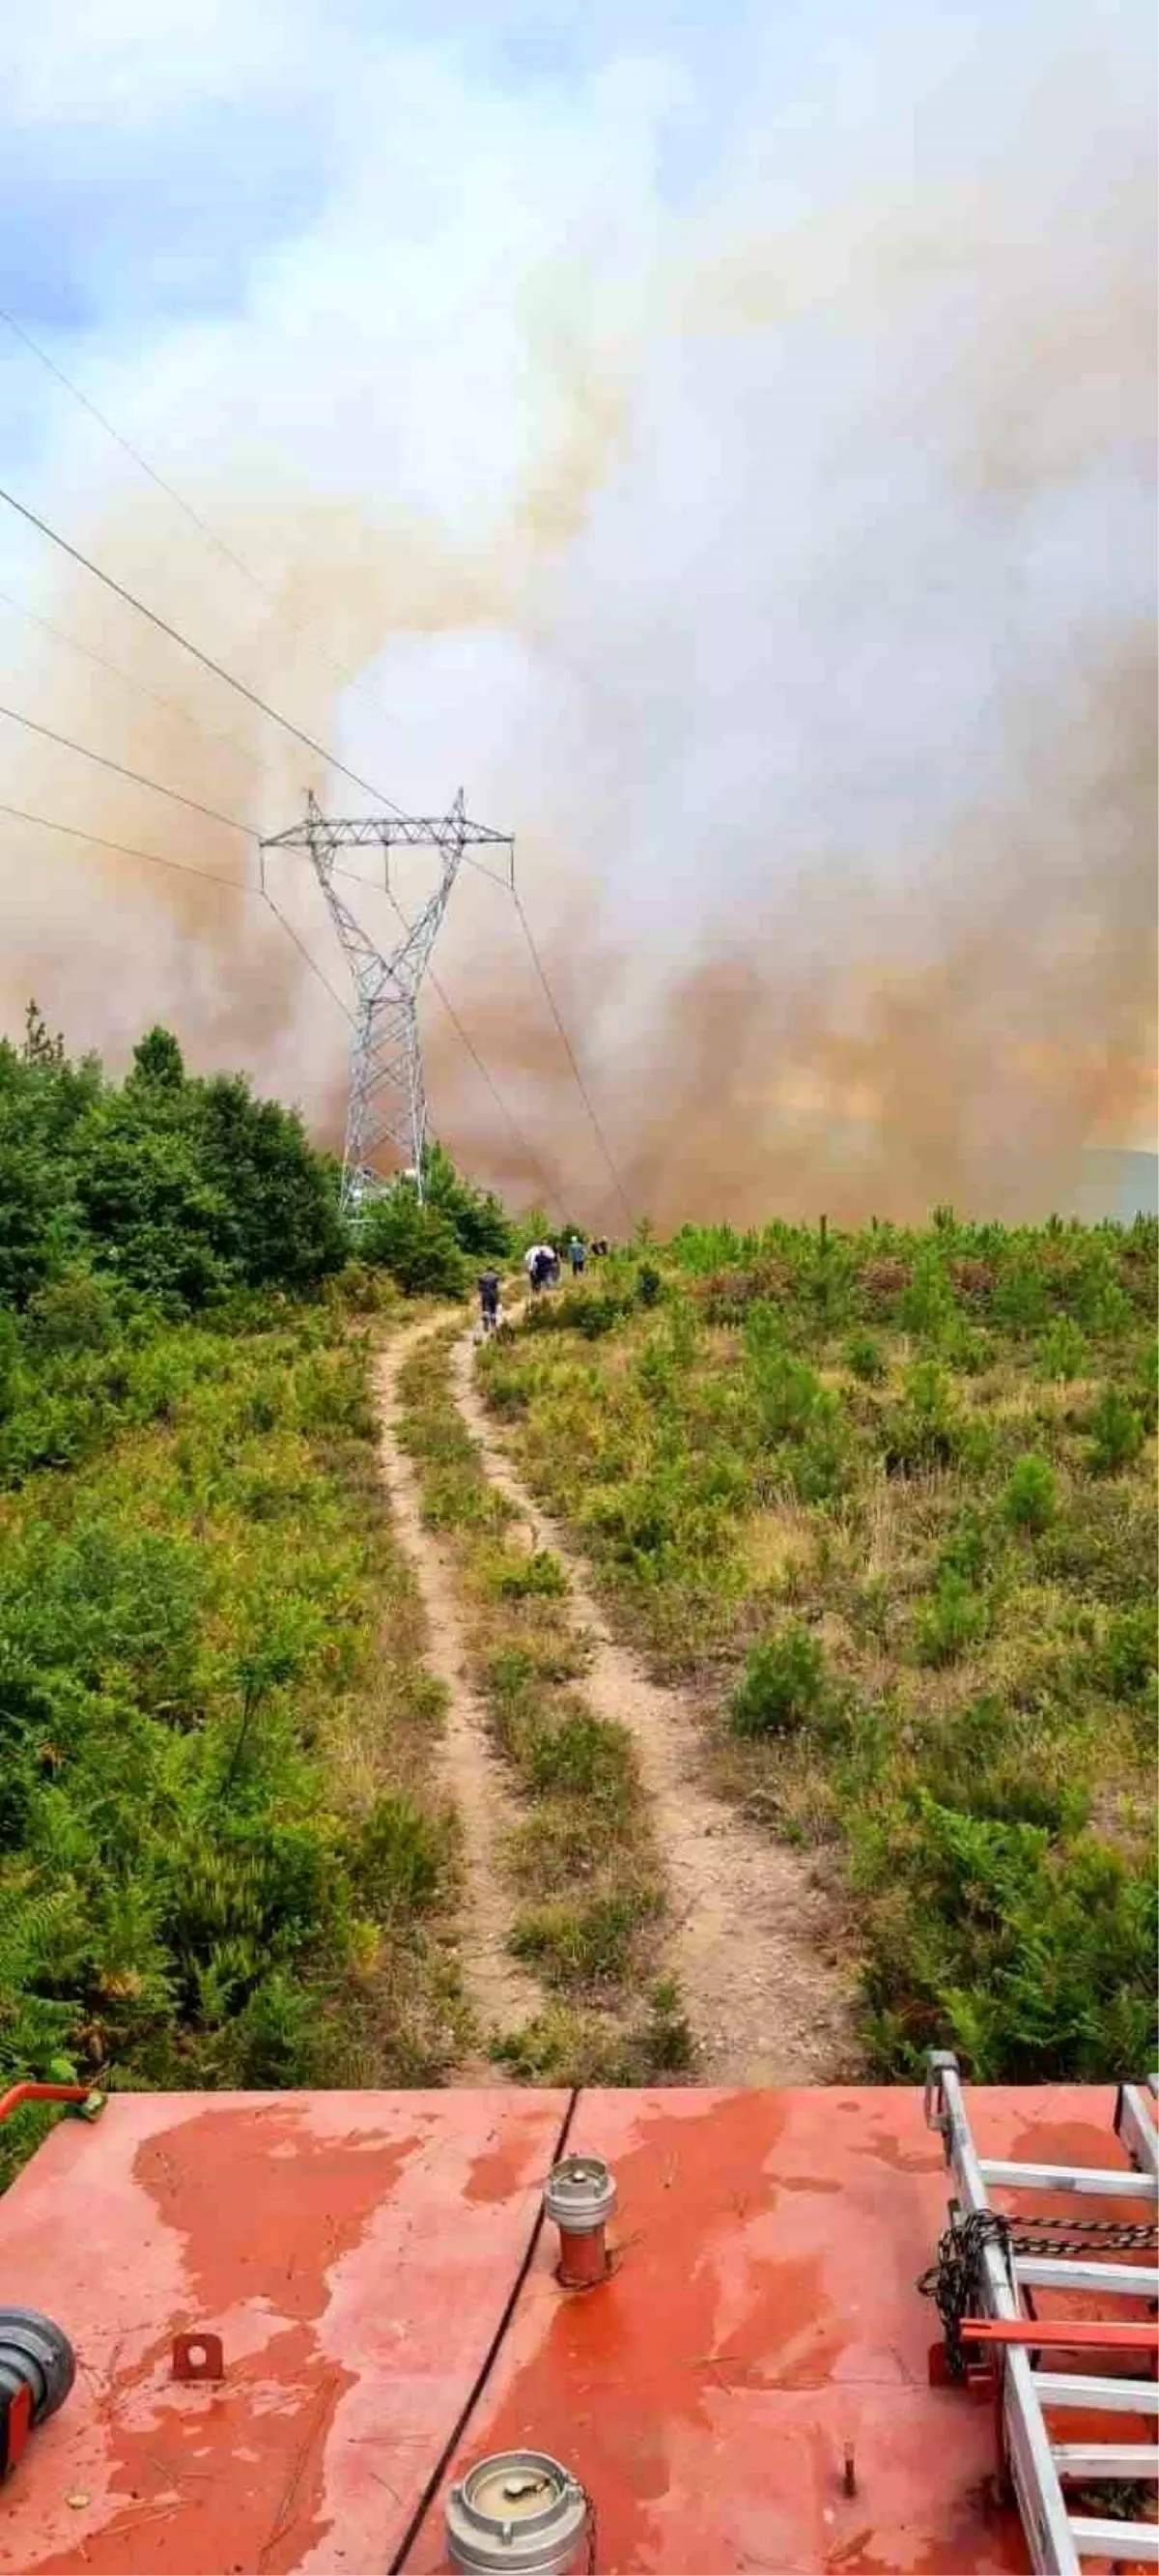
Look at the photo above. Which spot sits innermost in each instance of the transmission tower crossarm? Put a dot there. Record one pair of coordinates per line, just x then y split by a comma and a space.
409, 831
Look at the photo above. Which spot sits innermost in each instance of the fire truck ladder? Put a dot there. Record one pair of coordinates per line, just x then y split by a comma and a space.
1059, 2540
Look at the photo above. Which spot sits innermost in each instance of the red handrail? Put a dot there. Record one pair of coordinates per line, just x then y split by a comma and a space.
18, 2093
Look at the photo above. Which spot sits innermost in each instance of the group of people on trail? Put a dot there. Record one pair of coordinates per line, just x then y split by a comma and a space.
541, 1262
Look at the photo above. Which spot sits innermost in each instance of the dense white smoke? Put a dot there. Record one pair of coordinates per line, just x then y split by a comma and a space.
754, 517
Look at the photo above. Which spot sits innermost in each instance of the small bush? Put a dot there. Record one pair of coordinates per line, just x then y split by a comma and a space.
950, 1624
865, 1359
1117, 1433
1124, 1660
784, 1686
1062, 1349
588, 1944
539, 1576
1030, 1499
400, 1858
416, 1243
925, 1430
970, 1550
582, 1756
667, 2036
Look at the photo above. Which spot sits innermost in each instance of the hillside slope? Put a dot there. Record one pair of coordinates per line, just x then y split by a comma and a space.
887, 1502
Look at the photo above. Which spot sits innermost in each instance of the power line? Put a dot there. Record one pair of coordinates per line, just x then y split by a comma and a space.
185, 868
213, 815
581, 1085
552, 1194
516, 1130
129, 680
348, 678
181, 867
127, 445
318, 749
137, 776
304, 952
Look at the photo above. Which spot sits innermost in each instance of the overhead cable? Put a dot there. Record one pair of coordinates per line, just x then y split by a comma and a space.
181, 867
581, 1085
318, 749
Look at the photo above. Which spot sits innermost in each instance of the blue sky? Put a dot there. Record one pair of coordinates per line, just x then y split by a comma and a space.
721, 435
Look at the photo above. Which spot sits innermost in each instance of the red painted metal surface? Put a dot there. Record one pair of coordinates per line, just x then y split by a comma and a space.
761, 2322
354, 2253
748, 2389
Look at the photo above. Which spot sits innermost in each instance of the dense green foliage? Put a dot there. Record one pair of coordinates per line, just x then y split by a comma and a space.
178, 1189
887, 1499
218, 1859
434, 1246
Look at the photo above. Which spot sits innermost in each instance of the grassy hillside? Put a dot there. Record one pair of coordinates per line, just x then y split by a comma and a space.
220, 1860
888, 1500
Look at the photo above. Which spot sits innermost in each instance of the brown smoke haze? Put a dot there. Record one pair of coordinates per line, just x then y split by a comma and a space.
804, 639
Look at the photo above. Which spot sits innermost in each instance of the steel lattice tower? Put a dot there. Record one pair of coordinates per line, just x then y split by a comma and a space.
387, 1103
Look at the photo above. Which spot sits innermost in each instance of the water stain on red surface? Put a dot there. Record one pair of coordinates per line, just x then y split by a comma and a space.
230, 2475
789, 2337
500, 2168
887, 2149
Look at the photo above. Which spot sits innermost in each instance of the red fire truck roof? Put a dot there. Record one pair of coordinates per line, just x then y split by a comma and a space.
388, 2311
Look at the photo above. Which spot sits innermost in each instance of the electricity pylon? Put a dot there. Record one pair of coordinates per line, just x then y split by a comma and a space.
387, 1103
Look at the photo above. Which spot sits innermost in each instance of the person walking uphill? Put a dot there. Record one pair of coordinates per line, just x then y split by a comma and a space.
489, 1299
577, 1256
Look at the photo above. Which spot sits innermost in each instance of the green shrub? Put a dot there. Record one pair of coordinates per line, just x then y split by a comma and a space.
1062, 1349
864, 1357
950, 1624
1123, 1661
1116, 1433
537, 1576
926, 1429
784, 1687
415, 1243
581, 1756
400, 1858
983, 1941
970, 1548
586, 1944
1030, 1497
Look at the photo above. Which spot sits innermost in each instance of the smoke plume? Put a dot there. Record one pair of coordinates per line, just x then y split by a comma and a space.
771, 554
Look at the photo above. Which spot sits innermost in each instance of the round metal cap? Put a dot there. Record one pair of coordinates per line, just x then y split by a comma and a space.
518, 2509
580, 2194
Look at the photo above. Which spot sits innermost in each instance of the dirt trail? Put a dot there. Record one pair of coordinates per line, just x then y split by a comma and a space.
501, 1994
765, 2005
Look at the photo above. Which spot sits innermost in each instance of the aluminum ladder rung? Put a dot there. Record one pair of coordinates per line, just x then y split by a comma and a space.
1111, 2185
1060, 2272
1135, 2128
1095, 2539
1107, 2459
1101, 2396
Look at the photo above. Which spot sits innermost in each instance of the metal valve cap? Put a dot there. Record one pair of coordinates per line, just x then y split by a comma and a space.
517, 2509
580, 2194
